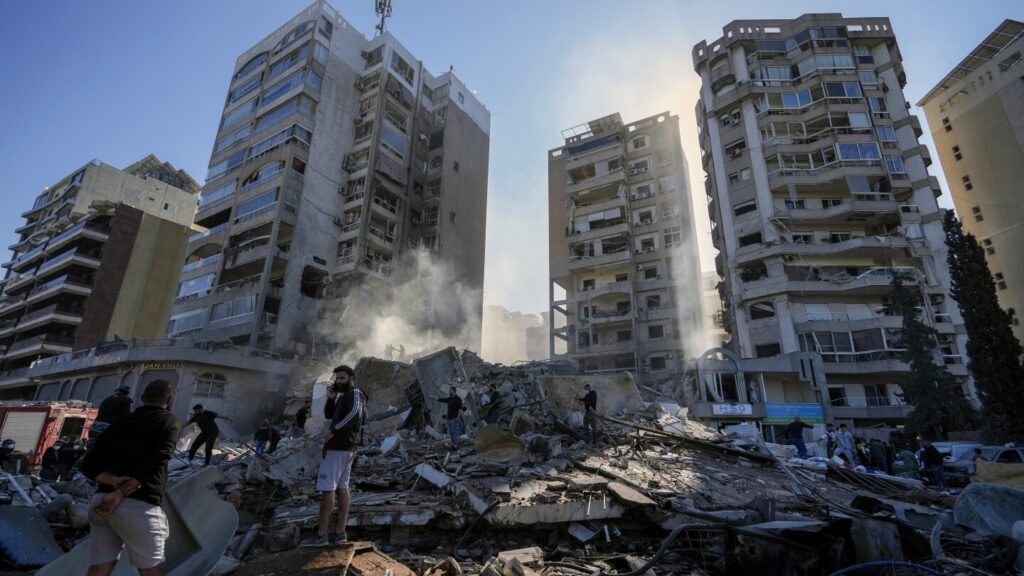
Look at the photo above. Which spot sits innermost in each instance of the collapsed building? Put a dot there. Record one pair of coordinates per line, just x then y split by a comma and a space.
527, 493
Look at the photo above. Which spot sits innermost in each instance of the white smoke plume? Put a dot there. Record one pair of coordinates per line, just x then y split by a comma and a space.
424, 311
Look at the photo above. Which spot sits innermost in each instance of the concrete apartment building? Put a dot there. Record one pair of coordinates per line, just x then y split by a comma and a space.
621, 243
818, 189
336, 157
976, 116
97, 259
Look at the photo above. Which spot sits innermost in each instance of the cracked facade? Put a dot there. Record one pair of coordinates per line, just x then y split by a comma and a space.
817, 187
622, 248
335, 155
976, 116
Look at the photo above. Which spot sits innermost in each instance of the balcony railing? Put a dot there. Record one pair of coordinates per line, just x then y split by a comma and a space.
41, 339
390, 207
249, 216
200, 263
381, 234
213, 230
261, 181
51, 309
67, 278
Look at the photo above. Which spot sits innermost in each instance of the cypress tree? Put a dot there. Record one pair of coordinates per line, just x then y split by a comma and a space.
929, 388
994, 351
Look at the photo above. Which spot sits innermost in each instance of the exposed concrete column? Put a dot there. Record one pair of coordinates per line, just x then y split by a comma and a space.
787, 333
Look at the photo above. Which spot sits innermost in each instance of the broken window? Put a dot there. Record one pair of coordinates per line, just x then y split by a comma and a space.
750, 239
623, 335
656, 332
767, 350
658, 363
760, 310
654, 301
210, 385
837, 395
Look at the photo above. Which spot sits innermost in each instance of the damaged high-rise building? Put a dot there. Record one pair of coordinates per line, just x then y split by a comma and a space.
624, 276
336, 159
95, 262
819, 191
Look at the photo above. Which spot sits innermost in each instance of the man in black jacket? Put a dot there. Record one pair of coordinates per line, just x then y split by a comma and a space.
113, 408
795, 434
129, 462
208, 431
453, 415
345, 410
589, 400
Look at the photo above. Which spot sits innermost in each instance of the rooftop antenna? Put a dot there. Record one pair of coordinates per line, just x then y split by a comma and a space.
383, 11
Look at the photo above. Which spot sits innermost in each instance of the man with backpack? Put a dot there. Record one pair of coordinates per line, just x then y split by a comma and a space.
345, 409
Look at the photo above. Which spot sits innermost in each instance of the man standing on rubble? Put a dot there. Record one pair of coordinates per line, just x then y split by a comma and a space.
455, 407
844, 444
795, 433
206, 420
266, 434
345, 410
129, 462
589, 400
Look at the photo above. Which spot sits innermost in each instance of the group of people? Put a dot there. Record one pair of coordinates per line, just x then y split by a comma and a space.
851, 450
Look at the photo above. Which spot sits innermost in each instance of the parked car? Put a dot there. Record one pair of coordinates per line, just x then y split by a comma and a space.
958, 461
1009, 454
959, 472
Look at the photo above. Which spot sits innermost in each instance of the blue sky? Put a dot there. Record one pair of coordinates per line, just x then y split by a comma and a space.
117, 80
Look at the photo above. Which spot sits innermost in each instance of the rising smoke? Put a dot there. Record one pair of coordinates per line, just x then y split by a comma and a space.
427, 309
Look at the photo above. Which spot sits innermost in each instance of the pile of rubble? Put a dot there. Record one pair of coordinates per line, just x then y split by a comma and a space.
526, 493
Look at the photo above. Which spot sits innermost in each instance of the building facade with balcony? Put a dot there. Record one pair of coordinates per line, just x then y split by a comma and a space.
96, 260
337, 157
976, 117
625, 287
818, 191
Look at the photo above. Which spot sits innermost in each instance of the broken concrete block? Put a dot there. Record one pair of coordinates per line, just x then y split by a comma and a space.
494, 444
581, 532
630, 497
388, 444
226, 565
25, 537
513, 568
447, 567
989, 509
284, 538
433, 475
587, 481
876, 540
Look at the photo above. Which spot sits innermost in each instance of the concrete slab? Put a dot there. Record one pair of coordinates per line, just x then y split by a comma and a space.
201, 526
586, 481
630, 497
26, 538
374, 563
433, 475
494, 444
435, 374
876, 540
532, 556
529, 514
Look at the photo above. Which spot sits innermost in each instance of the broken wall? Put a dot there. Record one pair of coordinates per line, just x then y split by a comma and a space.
616, 393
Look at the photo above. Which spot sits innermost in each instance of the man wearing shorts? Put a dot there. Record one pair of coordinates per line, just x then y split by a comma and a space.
129, 462
345, 410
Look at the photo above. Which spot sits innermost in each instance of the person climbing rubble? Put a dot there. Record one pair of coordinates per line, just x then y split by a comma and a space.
795, 435
345, 408
129, 462
266, 435
206, 420
589, 400
50, 466
454, 416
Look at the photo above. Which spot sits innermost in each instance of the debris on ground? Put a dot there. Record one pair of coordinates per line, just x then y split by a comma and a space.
526, 491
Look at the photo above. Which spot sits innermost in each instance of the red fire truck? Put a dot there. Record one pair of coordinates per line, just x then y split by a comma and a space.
35, 426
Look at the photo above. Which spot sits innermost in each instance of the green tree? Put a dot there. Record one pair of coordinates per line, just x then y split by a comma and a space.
994, 351
929, 388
